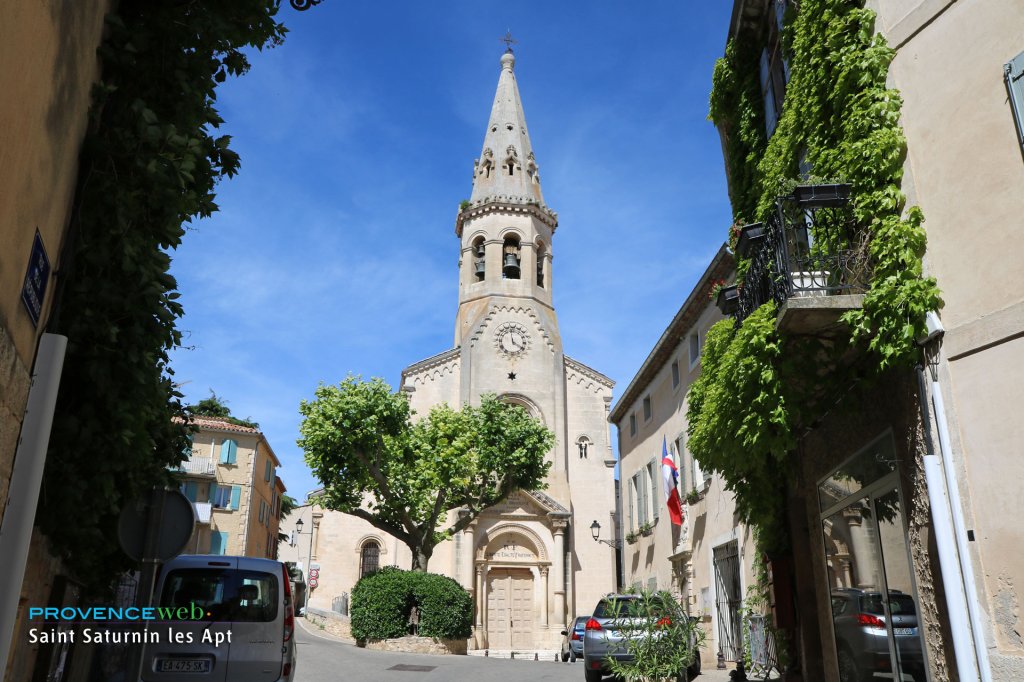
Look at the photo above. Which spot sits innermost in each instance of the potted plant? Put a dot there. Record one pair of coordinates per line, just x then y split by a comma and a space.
663, 642
727, 299
647, 529
631, 537
693, 497
822, 196
749, 237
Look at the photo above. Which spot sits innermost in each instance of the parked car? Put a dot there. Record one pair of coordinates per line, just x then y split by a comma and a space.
572, 639
246, 633
603, 637
862, 641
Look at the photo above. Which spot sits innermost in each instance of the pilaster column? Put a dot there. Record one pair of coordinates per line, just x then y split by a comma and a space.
479, 596
468, 555
558, 526
546, 597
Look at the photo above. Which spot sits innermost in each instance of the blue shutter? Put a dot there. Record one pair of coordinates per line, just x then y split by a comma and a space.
267, 475
191, 490
236, 496
218, 542
228, 452
1014, 74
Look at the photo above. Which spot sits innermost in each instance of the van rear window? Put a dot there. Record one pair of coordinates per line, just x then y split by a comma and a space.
224, 594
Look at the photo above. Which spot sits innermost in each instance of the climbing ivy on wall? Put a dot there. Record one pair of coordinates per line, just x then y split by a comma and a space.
149, 164
758, 388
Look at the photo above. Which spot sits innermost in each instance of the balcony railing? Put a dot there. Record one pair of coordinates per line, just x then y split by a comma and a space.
198, 466
203, 511
810, 247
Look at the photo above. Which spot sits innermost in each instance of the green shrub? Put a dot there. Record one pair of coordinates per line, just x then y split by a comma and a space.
382, 601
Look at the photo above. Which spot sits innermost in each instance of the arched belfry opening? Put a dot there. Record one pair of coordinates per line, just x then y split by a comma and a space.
541, 258
512, 258
479, 260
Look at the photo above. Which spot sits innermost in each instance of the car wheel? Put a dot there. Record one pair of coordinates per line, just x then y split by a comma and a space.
565, 656
848, 670
591, 675
572, 656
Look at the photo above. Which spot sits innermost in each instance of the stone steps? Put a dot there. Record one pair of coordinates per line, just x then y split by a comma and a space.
549, 655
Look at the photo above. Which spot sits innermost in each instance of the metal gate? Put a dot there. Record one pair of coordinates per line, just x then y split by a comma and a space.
728, 601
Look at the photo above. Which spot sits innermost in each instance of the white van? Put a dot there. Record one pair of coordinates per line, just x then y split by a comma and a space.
238, 622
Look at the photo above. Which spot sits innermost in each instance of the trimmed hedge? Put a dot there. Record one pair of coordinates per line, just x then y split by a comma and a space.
382, 601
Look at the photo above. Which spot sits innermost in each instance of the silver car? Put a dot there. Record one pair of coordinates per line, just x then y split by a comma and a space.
572, 640
238, 622
603, 640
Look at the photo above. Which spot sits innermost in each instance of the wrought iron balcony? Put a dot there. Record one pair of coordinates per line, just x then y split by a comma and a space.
809, 256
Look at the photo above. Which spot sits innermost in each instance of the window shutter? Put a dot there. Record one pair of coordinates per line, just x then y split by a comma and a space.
236, 496
631, 496
267, 475
653, 471
218, 542
1014, 74
228, 452
191, 489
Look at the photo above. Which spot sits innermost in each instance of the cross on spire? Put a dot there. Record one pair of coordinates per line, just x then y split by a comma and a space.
508, 40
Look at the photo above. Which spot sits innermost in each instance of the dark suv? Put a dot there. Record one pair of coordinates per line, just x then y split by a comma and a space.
603, 638
862, 640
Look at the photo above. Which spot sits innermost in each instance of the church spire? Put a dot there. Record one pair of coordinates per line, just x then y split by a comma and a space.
506, 168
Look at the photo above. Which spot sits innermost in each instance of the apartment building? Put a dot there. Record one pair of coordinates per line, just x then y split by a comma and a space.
231, 479
707, 561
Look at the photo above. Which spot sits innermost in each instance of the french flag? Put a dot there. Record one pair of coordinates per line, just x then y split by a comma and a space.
670, 480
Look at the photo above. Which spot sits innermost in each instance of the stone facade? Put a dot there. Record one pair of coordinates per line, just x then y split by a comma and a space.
530, 561
681, 559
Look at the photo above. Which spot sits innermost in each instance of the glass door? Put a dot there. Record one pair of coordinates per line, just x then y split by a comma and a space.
873, 598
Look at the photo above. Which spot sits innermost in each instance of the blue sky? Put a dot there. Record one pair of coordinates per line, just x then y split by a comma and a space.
334, 250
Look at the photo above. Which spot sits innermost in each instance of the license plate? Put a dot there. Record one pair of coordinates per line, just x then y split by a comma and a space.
903, 631
183, 665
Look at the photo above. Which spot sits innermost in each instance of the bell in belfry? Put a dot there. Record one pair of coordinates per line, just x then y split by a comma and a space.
511, 268
480, 267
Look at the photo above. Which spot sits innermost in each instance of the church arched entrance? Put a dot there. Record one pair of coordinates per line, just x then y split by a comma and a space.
512, 571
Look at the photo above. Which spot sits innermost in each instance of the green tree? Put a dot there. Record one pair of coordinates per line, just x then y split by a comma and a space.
404, 476
215, 406
149, 163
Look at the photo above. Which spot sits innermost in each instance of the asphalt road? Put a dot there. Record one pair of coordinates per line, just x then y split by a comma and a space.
322, 658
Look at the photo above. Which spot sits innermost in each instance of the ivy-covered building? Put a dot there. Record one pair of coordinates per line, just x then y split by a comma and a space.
862, 400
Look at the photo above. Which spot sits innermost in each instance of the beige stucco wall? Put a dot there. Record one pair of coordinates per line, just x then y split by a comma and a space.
47, 66
965, 169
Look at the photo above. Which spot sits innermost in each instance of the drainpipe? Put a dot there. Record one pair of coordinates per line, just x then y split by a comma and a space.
950, 530
26, 479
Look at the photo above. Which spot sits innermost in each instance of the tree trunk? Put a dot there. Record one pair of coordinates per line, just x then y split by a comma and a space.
420, 559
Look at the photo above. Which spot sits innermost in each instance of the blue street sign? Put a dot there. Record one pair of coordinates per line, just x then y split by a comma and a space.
37, 276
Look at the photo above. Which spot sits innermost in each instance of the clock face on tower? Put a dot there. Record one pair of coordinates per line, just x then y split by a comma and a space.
511, 339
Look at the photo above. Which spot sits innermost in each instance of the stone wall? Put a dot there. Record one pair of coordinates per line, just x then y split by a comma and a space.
329, 621
420, 645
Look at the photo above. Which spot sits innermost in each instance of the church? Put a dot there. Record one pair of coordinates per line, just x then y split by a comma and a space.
530, 562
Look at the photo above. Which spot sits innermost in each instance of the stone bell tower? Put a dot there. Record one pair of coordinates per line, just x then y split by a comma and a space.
530, 561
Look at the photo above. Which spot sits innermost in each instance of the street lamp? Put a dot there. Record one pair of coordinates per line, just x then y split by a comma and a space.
595, 530
309, 563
